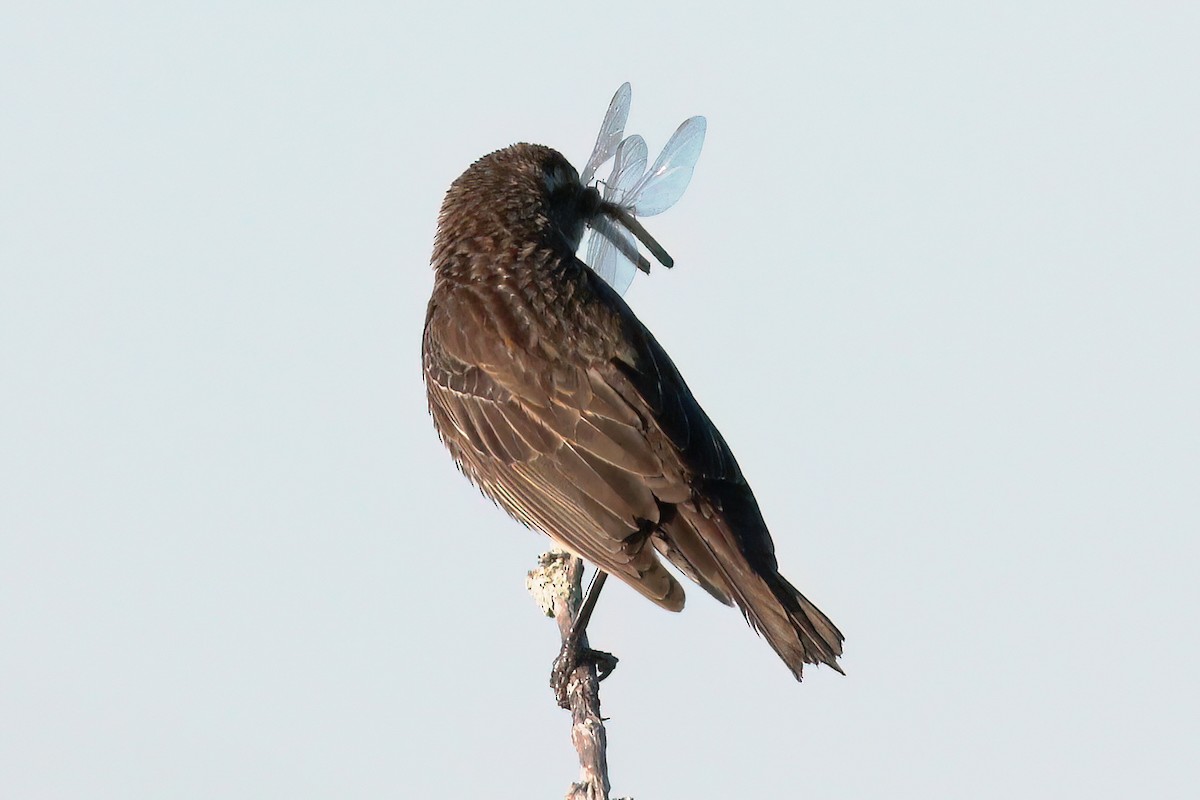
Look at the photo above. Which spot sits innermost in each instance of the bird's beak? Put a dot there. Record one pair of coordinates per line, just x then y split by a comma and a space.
622, 217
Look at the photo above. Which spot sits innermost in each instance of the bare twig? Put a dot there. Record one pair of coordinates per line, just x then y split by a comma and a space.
556, 585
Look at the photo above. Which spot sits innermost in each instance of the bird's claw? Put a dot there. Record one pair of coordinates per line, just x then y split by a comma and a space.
605, 663
571, 657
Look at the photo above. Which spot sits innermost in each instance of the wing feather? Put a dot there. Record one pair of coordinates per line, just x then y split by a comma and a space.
555, 445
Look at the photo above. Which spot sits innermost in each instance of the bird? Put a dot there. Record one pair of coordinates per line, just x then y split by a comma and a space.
561, 407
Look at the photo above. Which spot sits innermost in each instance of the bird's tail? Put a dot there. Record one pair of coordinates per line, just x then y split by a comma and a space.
742, 568
802, 634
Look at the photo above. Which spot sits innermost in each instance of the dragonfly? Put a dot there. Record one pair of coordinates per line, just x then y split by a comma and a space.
634, 191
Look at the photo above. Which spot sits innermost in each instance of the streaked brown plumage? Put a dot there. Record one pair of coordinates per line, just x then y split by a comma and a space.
555, 401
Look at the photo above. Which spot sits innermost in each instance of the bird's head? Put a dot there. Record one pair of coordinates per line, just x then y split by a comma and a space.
522, 196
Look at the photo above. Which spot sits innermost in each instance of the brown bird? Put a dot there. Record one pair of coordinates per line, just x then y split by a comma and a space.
561, 407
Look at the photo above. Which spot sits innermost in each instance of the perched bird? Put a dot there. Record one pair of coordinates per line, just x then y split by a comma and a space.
561, 407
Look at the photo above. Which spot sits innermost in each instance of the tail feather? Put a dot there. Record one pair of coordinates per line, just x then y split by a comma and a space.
794, 627
819, 637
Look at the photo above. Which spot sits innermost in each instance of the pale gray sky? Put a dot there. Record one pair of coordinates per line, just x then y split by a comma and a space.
937, 281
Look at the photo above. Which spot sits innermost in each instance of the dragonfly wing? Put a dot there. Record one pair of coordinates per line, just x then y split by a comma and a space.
609, 244
606, 259
627, 170
611, 131
664, 184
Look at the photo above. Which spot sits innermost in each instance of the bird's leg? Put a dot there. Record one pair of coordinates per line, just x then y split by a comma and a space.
575, 649
605, 662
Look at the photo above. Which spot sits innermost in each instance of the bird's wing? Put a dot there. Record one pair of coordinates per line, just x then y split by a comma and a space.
609, 455
553, 443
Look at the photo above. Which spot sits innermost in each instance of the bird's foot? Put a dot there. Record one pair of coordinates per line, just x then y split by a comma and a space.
569, 658
605, 662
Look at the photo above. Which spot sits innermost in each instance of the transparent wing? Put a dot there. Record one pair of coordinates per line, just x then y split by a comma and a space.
628, 169
664, 184
605, 259
611, 131
609, 244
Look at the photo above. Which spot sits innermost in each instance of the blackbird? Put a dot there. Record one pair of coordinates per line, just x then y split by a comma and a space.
556, 401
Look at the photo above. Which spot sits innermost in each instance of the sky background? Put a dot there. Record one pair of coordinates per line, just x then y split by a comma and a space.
937, 283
